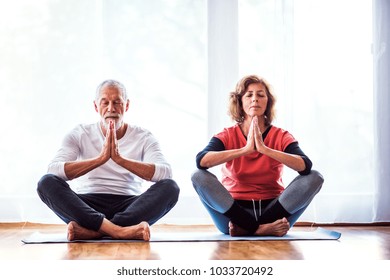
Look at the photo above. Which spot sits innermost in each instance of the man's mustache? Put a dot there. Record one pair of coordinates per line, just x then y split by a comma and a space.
111, 116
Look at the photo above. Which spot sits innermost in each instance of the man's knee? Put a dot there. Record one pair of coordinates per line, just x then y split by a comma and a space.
171, 188
46, 183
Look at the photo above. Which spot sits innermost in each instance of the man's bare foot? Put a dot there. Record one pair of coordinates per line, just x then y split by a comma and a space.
77, 232
278, 228
140, 231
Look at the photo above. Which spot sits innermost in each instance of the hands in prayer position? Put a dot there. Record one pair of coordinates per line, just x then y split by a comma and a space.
255, 138
110, 146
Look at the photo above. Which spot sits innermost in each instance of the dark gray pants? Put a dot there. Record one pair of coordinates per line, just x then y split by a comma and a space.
89, 210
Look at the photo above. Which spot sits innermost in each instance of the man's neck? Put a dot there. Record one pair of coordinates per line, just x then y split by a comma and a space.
119, 132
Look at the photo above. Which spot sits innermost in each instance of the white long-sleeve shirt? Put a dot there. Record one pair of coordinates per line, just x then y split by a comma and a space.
86, 142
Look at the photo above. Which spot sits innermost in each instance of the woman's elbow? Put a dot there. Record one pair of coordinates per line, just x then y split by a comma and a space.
203, 164
306, 167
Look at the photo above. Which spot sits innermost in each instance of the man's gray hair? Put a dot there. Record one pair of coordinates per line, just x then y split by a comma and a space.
111, 83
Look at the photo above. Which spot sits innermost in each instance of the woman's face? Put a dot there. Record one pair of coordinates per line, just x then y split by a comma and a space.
254, 100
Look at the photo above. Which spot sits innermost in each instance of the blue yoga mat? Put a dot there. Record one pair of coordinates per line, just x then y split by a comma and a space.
317, 234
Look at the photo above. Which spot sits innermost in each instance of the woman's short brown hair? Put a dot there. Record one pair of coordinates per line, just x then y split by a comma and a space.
236, 111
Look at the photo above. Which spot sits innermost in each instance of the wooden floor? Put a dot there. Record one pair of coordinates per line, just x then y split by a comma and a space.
356, 242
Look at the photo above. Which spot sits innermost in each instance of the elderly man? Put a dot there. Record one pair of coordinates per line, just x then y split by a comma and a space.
111, 159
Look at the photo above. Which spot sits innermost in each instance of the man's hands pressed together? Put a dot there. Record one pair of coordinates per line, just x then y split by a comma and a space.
110, 147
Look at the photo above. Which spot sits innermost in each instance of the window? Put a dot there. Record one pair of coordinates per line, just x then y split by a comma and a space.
178, 75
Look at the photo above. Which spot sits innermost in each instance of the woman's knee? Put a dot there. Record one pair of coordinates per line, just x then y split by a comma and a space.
316, 180
197, 175
317, 177
201, 178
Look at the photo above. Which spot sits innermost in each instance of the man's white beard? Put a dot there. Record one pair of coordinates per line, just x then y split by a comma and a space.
118, 124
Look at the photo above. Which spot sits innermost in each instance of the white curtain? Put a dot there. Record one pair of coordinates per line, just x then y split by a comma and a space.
179, 59
381, 45
53, 54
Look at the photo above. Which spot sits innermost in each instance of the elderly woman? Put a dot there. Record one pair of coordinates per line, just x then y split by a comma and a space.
251, 199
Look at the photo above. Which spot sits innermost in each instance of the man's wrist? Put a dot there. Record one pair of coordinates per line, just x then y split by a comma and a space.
118, 160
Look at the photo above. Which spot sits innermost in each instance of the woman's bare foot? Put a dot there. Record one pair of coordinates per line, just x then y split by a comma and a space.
278, 228
235, 230
77, 232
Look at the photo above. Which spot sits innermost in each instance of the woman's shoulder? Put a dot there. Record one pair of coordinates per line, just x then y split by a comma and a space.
228, 130
232, 128
278, 130
281, 135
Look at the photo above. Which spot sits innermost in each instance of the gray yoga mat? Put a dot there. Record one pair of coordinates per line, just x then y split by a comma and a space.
317, 234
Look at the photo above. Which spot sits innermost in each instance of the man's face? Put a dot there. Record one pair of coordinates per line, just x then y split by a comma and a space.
111, 106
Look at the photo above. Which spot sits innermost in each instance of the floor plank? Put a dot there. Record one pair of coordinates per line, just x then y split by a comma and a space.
356, 243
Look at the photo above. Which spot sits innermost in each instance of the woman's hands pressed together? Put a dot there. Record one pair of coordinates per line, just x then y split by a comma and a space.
258, 136
254, 138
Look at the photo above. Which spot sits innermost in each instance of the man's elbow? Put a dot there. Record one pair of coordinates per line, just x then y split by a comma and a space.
57, 169
161, 172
